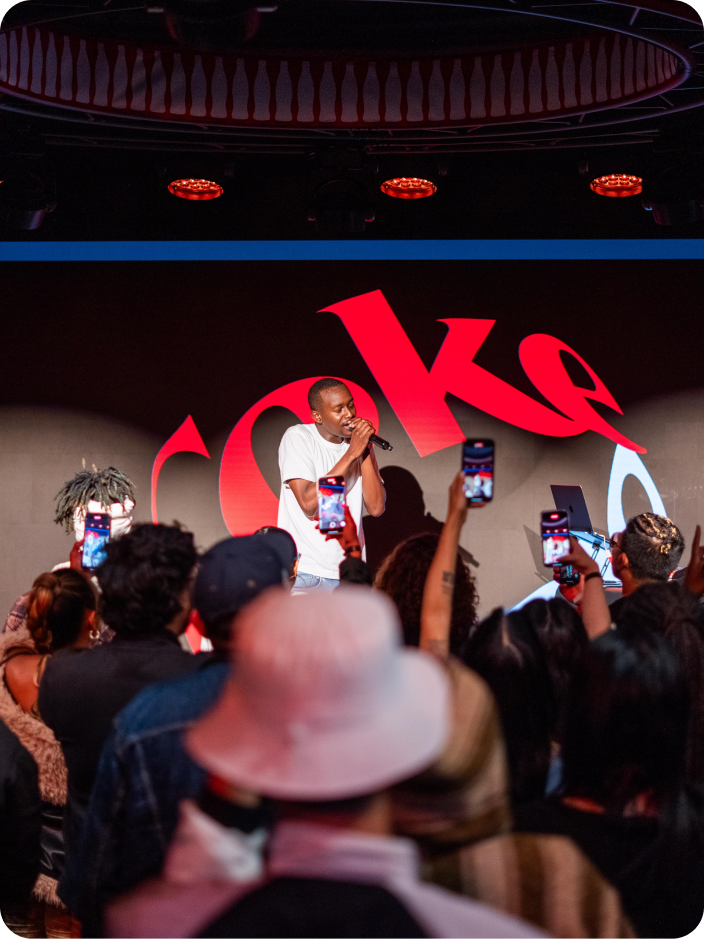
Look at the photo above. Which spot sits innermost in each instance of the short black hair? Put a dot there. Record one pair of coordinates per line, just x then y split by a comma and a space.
654, 546
143, 577
322, 384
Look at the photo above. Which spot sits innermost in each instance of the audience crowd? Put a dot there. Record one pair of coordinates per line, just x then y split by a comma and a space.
372, 761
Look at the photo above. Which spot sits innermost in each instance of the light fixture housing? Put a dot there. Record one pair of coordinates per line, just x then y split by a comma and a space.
199, 190
408, 187
617, 185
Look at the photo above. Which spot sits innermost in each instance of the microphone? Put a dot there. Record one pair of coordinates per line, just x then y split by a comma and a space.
380, 442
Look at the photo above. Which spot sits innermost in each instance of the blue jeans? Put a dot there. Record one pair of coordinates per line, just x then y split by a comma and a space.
306, 582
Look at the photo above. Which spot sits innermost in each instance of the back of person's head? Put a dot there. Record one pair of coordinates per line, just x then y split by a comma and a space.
653, 545
506, 652
402, 577
232, 573
143, 578
626, 727
564, 639
667, 608
324, 702
57, 607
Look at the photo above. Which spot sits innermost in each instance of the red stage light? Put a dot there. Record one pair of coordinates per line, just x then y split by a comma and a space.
408, 187
198, 189
616, 185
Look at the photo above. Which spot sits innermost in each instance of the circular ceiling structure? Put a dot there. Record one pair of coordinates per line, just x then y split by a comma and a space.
499, 75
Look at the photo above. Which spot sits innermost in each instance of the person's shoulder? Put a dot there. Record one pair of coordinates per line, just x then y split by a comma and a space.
65, 661
172, 701
448, 914
298, 433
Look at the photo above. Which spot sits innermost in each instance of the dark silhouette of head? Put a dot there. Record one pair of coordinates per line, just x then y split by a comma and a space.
143, 578
505, 650
626, 727
668, 610
564, 639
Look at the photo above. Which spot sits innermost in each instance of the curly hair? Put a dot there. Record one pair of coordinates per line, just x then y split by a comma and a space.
104, 486
402, 576
56, 609
143, 576
653, 544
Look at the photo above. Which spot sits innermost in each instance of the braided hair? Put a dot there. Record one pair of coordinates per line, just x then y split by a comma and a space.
105, 486
56, 609
653, 544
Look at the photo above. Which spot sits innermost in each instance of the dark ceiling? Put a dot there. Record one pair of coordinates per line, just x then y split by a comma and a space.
108, 178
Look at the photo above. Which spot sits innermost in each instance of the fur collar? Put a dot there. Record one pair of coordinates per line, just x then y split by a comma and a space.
35, 736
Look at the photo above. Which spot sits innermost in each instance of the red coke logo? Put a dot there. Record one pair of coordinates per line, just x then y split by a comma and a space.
417, 397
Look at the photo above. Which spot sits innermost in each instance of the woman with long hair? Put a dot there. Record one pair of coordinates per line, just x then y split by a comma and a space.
61, 613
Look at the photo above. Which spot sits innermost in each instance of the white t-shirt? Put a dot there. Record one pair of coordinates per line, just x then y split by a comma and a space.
305, 454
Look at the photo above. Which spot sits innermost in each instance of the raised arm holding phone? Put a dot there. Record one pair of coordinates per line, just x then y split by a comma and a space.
336, 444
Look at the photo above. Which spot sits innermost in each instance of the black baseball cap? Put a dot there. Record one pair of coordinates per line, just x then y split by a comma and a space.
282, 542
232, 573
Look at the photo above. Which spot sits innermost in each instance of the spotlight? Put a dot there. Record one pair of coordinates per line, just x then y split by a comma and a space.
617, 185
341, 192
408, 187
199, 190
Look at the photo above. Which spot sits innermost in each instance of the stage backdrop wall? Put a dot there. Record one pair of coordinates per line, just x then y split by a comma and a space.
105, 362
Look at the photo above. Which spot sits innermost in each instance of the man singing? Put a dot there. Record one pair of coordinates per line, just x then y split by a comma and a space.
337, 444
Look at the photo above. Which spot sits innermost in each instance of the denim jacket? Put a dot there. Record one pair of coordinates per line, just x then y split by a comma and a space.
144, 773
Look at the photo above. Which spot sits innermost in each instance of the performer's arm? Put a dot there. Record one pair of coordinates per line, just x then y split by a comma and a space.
306, 491
373, 489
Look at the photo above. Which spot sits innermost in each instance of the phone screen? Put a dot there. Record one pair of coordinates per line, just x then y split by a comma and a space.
555, 534
331, 503
96, 537
478, 469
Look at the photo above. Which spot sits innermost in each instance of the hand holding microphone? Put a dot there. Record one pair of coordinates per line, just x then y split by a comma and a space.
363, 434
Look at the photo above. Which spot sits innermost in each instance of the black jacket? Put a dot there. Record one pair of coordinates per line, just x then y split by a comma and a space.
309, 907
82, 690
20, 820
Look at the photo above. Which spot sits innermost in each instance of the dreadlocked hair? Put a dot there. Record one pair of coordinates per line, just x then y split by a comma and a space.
105, 486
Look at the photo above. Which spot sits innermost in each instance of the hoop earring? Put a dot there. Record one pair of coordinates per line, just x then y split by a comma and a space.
94, 634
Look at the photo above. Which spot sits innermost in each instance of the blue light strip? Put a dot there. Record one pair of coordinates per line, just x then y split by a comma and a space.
422, 250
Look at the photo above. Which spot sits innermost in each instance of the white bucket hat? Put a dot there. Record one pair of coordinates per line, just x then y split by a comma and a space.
324, 702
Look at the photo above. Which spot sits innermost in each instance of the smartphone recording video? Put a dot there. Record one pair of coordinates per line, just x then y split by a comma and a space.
555, 534
331, 504
478, 469
96, 537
